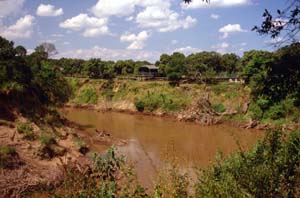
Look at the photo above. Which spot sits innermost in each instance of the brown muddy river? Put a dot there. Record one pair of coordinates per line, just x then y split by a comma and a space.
152, 139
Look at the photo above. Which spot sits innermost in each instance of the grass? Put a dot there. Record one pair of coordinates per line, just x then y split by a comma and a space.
87, 95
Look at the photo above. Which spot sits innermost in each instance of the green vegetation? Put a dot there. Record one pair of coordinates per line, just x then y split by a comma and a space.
219, 108
49, 147
88, 95
28, 83
172, 183
109, 177
269, 169
26, 130
274, 81
6, 154
47, 140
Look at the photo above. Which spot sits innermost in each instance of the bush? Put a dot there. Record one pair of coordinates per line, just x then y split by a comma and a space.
140, 105
26, 130
255, 111
47, 140
6, 154
275, 112
269, 169
108, 177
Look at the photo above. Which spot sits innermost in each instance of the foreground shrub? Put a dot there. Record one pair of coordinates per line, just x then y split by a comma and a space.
270, 169
108, 177
172, 183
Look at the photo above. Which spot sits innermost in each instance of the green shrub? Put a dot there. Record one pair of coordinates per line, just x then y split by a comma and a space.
219, 108
6, 153
269, 169
275, 112
47, 139
255, 111
26, 130
109, 177
140, 105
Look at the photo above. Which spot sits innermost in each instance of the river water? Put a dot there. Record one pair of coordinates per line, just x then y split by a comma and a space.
152, 140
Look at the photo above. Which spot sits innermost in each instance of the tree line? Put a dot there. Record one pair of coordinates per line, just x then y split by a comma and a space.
273, 77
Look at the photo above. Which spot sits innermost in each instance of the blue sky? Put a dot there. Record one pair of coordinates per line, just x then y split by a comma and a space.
135, 29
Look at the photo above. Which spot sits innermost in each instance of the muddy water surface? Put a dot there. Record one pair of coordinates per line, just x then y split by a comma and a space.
151, 139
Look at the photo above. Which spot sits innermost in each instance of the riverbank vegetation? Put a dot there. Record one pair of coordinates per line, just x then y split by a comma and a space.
271, 77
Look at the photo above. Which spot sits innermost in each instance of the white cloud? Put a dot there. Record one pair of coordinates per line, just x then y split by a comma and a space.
221, 47
187, 50
106, 8
91, 26
195, 4
230, 28
110, 54
155, 14
8, 7
163, 19
49, 10
22, 29
137, 41
214, 16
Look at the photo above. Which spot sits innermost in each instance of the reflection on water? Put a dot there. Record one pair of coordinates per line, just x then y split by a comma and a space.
194, 145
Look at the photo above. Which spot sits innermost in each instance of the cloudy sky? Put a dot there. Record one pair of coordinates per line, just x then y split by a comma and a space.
135, 29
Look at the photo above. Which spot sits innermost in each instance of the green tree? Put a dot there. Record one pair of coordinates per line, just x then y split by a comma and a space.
176, 67
21, 51
230, 62
13, 68
162, 63
95, 68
